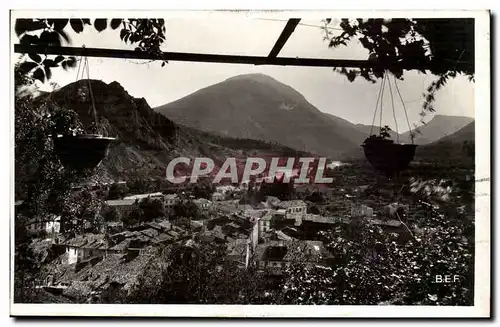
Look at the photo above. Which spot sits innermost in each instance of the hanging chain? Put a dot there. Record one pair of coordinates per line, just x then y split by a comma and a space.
382, 101
394, 111
83, 69
380, 98
91, 93
376, 105
404, 108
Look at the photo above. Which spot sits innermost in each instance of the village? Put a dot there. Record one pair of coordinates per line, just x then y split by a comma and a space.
269, 234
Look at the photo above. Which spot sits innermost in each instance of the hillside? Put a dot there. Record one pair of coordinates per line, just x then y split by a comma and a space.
147, 140
257, 106
455, 148
438, 127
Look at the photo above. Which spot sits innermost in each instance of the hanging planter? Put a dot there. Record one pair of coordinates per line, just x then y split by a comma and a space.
84, 151
386, 156
383, 153
80, 151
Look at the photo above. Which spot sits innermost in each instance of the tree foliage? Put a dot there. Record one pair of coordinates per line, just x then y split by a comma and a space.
117, 191
184, 209
372, 266
278, 188
442, 47
198, 274
144, 34
40, 179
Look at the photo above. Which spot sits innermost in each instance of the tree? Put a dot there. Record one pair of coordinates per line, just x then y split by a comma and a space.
442, 47
40, 179
110, 214
81, 213
133, 217
151, 209
278, 188
145, 34
117, 191
198, 274
204, 189
186, 209
371, 266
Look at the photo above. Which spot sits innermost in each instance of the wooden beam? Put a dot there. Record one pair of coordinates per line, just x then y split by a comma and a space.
285, 35
201, 57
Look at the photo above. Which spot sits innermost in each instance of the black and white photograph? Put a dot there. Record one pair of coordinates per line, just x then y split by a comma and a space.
250, 163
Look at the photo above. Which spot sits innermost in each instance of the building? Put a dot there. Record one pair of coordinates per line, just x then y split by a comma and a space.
294, 209
50, 224
203, 204
122, 206
239, 251
265, 222
362, 211
53, 225
217, 196
272, 202
312, 222
112, 227
83, 247
279, 254
156, 196
223, 189
170, 200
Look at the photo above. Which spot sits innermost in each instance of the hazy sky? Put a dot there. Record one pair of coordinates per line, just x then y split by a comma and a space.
328, 91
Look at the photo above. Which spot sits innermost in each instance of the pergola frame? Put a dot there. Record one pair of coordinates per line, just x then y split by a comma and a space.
271, 59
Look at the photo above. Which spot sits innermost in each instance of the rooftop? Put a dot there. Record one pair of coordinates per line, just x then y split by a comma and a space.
290, 204
319, 219
86, 241
172, 196
201, 201
120, 202
143, 196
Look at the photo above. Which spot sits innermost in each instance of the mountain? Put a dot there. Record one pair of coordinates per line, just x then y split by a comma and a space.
438, 127
257, 106
147, 140
457, 148
465, 134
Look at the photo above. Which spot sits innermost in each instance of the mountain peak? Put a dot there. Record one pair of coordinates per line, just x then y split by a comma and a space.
258, 77
257, 106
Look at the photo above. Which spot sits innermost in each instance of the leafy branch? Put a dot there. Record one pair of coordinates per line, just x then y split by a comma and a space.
442, 47
147, 35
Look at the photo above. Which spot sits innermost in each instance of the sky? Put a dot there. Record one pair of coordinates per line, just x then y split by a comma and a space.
330, 92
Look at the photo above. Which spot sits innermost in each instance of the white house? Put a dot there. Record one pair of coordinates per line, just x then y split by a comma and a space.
265, 222
157, 195
218, 196
50, 224
122, 206
203, 204
85, 246
53, 226
294, 209
171, 200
